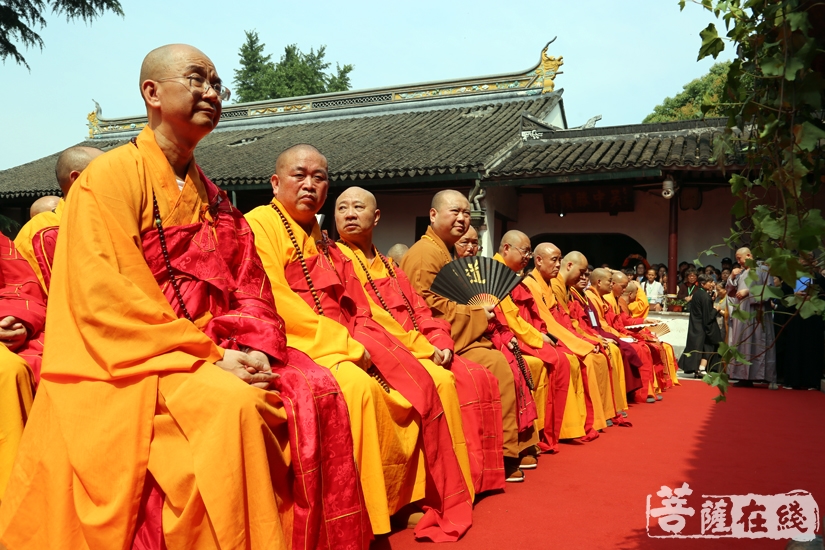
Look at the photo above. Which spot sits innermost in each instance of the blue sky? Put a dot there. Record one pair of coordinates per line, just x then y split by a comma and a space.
620, 58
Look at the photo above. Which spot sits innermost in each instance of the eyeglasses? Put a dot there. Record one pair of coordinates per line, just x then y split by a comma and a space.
470, 245
197, 83
526, 252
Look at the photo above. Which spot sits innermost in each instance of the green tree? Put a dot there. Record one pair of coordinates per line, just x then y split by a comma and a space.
295, 74
775, 92
255, 67
18, 17
687, 104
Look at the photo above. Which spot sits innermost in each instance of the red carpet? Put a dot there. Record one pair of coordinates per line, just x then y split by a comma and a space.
594, 495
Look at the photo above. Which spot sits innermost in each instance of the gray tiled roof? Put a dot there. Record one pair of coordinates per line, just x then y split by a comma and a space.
459, 140
687, 144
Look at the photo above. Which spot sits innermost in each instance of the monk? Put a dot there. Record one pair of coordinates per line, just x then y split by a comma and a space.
468, 244
468, 391
549, 364
449, 221
396, 252
37, 238
598, 295
402, 441
161, 419
634, 308
43, 204
571, 304
22, 319
578, 412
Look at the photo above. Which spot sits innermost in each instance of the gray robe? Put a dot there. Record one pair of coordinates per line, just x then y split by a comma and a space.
754, 339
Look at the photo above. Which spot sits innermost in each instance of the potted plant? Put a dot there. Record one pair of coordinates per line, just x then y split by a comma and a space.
675, 305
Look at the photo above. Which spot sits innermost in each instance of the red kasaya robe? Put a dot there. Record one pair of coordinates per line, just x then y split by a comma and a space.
23, 299
476, 386
498, 333
447, 505
44, 244
618, 320
227, 293
551, 355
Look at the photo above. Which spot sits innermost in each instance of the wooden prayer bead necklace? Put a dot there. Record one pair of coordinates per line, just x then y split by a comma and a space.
372, 370
375, 287
304, 267
173, 280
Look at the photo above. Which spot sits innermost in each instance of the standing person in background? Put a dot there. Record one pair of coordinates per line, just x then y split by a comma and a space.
688, 287
703, 335
640, 274
753, 338
804, 339
654, 291
661, 272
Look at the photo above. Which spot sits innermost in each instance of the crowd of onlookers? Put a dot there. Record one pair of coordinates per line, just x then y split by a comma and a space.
796, 343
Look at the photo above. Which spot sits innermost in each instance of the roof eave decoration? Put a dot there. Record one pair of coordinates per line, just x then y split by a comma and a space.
537, 80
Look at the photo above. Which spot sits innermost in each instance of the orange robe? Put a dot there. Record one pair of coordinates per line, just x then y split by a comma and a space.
550, 364
216, 446
30, 238
477, 425
401, 438
638, 310
601, 309
20, 297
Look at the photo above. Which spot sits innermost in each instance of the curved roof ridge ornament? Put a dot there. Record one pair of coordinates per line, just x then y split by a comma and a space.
548, 68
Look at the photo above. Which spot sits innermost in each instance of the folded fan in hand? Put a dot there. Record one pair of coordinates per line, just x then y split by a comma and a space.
475, 280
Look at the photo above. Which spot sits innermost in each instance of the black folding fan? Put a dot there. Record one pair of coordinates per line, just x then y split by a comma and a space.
475, 280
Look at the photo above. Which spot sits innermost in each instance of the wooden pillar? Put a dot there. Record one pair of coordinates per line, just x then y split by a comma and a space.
673, 245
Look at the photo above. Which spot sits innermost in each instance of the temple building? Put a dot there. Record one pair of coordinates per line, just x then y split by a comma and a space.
504, 140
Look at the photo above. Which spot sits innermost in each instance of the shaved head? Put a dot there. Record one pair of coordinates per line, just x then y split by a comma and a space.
573, 266
356, 215
157, 62
598, 274
71, 163
357, 193
619, 277
548, 260
743, 251
397, 252
515, 250
43, 204
444, 197
450, 216
632, 287
282, 162
514, 238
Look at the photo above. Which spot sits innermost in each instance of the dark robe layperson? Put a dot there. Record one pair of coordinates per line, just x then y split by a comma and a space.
704, 335
170, 411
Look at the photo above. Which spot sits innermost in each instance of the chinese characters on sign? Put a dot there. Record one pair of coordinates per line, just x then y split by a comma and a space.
588, 198
682, 514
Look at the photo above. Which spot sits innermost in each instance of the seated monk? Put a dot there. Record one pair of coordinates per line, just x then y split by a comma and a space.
573, 272
618, 319
601, 285
43, 204
634, 311
449, 221
396, 253
165, 345
468, 391
22, 319
36, 239
549, 364
402, 441
578, 412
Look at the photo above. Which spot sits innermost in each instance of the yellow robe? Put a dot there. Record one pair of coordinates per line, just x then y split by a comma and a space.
609, 300
128, 387
422, 350
24, 242
598, 376
16, 396
385, 427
